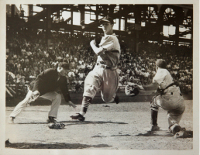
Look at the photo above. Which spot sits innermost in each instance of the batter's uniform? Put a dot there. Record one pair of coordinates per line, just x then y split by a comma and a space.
104, 76
170, 99
50, 86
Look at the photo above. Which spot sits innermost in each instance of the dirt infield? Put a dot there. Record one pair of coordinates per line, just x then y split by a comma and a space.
107, 126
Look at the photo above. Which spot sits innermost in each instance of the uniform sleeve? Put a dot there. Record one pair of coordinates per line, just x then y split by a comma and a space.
64, 89
159, 77
107, 43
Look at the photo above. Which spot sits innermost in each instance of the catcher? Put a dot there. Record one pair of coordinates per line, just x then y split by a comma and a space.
49, 85
168, 97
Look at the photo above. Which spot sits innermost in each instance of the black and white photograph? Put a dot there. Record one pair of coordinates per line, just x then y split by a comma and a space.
97, 78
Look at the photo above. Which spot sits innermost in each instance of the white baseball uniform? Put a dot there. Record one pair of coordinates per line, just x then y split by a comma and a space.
104, 76
172, 99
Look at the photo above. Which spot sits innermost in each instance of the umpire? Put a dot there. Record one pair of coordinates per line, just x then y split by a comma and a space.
49, 85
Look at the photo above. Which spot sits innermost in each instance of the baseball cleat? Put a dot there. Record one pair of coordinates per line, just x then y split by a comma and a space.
155, 128
11, 119
51, 120
181, 134
78, 116
175, 128
116, 99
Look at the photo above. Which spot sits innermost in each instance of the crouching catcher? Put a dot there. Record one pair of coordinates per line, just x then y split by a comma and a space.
168, 97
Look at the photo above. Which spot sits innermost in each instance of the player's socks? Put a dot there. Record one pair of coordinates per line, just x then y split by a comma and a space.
154, 115
85, 103
83, 111
51, 120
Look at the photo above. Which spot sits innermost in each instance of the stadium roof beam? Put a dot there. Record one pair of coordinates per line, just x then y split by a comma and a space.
109, 10
122, 11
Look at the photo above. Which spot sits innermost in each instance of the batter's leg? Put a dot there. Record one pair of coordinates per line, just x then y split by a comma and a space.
91, 85
85, 104
109, 85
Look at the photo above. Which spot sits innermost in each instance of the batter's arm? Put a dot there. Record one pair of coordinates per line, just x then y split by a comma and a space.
96, 49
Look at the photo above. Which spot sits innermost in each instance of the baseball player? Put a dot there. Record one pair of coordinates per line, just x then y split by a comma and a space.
47, 85
132, 89
168, 97
104, 76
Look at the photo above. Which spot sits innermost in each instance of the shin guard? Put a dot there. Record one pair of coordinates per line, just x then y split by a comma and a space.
154, 115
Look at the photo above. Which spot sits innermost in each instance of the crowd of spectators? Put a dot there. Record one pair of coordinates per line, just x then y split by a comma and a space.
27, 54
139, 66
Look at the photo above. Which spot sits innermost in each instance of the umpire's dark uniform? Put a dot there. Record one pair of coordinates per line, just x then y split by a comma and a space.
49, 83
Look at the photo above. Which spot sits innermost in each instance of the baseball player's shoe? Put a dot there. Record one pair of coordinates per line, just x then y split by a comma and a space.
175, 128
78, 116
181, 134
155, 128
51, 120
116, 99
11, 120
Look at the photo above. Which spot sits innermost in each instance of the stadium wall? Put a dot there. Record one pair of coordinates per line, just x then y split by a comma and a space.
143, 96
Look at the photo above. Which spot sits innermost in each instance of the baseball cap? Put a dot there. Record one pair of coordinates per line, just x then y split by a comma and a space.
106, 19
161, 63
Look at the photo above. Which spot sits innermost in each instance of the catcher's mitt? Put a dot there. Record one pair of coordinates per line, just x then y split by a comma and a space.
131, 90
56, 125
